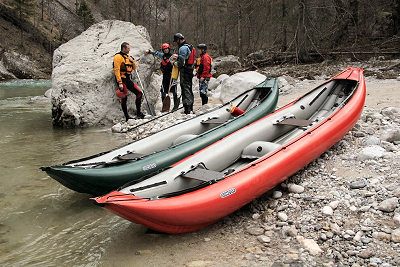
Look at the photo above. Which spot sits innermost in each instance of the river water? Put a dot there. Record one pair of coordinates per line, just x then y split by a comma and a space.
41, 222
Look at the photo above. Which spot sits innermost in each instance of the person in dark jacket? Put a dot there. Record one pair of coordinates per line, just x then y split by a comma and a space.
204, 72
166, 69
185, 62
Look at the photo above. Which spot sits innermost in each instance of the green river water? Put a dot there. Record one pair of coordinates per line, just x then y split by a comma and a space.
41, 222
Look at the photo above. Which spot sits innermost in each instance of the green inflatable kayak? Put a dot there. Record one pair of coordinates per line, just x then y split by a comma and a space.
107, 171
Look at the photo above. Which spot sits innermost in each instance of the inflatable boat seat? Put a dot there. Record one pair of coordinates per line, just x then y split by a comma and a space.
214, 120
183, 138
258, 149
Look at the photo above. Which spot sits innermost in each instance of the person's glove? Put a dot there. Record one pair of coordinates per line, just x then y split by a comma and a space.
121, 87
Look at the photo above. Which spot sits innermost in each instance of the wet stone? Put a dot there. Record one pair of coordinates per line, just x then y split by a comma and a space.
294, 188
264, 239
388, 205
358, 184
277, 194
396, 235
255, 230
366, 254
282, 216
327, 210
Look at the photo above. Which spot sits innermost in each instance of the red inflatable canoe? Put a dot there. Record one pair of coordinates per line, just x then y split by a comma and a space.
214, 182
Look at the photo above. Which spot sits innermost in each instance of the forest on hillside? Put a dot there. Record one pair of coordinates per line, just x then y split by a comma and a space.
304, 29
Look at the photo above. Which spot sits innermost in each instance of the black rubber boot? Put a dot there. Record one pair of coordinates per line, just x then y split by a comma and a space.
186, 109
140, 115
204, 99
176, 102
125, 109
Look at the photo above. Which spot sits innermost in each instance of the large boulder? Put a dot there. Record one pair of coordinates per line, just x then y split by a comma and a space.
225, 64
238, 83
83, 84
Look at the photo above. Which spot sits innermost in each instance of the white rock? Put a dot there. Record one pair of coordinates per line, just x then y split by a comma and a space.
222, 77
277, 194
132, 122
396, 235
213, 83
391, 135
389, 204
310, 245
391, 112
334, 204
372, 115
294, 188
396, 219
153, 92
117, 128
327, 210
285, 84
238, 83
282, 216
264, 239
370, 141
371, 152
82, 73
358, 236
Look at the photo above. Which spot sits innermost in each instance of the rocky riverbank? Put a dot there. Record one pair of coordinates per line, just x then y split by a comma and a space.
341, 210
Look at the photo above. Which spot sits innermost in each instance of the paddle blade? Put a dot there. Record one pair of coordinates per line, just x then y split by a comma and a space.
166, 105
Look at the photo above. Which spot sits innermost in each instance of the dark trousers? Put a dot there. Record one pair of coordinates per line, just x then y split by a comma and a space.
186, 75
134, 88
164, 89
203, 88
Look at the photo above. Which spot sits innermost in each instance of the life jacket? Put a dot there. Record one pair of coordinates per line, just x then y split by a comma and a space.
205, 65
192, 56
166, 65
127, 64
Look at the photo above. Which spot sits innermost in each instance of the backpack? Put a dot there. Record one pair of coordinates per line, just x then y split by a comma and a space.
192, 56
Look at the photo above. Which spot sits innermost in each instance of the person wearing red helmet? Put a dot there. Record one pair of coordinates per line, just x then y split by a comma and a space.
204, 72
166, 68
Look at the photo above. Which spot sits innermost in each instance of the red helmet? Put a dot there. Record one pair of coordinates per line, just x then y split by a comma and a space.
122, 94
165, 46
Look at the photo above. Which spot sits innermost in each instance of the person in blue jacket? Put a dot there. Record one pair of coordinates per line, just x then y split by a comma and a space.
185, 61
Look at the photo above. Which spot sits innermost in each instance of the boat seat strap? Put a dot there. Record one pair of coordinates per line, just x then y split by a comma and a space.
203, 175
130, 156
214, 120
294, 122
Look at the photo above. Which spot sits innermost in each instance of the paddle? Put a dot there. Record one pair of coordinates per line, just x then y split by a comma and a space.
151, 110
166, 103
